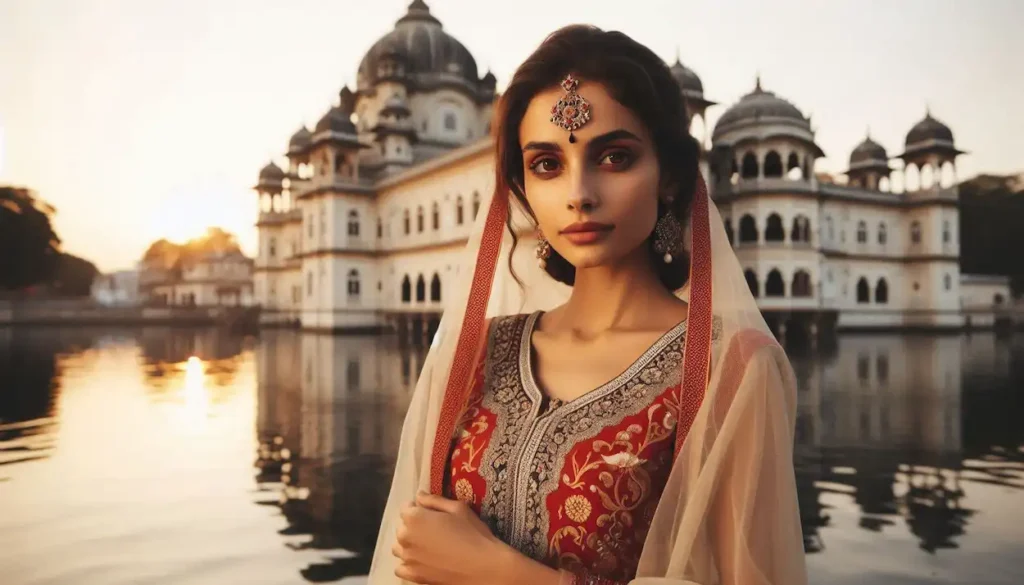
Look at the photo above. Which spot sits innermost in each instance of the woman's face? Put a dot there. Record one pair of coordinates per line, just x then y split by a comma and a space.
595, 199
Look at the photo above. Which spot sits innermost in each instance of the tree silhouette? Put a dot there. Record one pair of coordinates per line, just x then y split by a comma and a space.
29, 248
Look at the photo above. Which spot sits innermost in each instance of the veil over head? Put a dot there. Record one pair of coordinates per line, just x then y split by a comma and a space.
729, 511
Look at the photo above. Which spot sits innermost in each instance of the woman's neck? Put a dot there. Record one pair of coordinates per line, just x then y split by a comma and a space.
625, 296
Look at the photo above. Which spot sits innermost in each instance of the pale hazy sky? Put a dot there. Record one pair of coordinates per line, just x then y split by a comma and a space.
140, 119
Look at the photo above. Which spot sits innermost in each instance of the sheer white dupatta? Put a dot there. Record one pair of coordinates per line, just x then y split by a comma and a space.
729, 513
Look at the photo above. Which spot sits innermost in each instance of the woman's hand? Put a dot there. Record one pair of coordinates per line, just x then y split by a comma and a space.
443, 542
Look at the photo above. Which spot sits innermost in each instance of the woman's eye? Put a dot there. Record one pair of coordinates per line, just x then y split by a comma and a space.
616, 158
544, 165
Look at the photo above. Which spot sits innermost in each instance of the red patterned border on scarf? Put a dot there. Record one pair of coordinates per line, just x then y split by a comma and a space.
697, 346
456, 393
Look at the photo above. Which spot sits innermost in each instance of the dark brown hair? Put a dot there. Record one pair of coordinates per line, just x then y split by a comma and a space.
636, 78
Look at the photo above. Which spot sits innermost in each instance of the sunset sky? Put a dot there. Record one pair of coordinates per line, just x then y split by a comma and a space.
141, 119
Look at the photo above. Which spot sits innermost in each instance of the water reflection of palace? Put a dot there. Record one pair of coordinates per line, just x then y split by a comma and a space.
888, 425
329, 420
882, 419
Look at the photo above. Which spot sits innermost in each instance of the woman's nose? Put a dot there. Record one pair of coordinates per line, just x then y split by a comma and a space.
581, 193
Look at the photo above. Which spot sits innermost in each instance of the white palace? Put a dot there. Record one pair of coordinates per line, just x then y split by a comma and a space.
359, 232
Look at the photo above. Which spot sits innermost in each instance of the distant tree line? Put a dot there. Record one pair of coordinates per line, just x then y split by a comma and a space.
992, 227
31, 259
166, 255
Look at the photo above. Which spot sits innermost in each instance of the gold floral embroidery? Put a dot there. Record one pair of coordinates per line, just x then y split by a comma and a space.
577, 508
624, 486
469, 435
464, 491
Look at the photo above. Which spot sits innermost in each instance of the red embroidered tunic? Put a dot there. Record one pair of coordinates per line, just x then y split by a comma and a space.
571, 484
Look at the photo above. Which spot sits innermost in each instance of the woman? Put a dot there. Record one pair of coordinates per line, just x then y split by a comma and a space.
618, 413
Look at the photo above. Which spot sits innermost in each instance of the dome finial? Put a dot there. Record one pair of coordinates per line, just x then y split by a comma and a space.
927, 110
678, 60
867, 133
757, 82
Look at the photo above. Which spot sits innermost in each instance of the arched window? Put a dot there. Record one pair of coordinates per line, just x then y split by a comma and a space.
380, 228
755, 287
946, 233
450, 121
915, 232
272, 247
405, 220
460, 212
353, 223
476, 203
421, 289
774, 232
435, 288
406, 289
801, 284
353, 283
773, 165
793, 170
748, 229
774, 286
998, 299
728, 230
435, 217
863, 291
830, 228
881, 292
419, 219
947, 281
862, 232
883, 235
749, 166
801, 229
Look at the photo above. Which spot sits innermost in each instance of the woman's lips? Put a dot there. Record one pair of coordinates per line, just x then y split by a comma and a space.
586, 232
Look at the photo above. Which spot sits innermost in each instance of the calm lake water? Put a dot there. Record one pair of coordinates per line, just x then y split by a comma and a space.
194, 457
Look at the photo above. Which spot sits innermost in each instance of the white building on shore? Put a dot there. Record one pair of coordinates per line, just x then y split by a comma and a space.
360, 230
214, 280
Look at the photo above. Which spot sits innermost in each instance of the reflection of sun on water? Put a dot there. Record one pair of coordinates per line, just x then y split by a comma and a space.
195, 397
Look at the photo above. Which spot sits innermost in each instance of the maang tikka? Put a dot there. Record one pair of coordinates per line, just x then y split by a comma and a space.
571, 111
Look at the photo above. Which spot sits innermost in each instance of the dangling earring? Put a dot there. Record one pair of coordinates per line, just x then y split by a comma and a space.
668, 236
543, 251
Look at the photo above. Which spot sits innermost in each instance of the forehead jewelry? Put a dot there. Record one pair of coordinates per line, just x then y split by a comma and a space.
571, 111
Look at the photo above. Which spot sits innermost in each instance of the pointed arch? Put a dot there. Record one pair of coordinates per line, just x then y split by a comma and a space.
774, 286
773, 231
772, 165
801, 286
435, 216
476, 203
801, 229
406, 289
793, 163
460, 211
750, 167
406, 222
752, 283
421, 289
748, 229
881, 291
435, 288
883, 233
862, 232
419, 219
863, 291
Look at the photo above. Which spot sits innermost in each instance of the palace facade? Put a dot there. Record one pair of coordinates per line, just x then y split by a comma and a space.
361, 228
